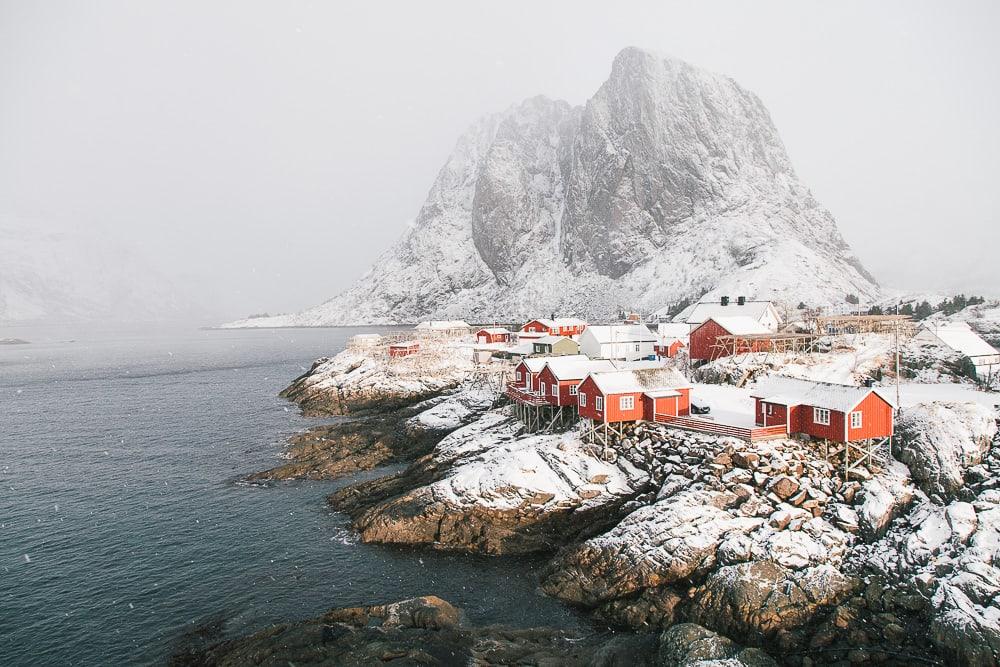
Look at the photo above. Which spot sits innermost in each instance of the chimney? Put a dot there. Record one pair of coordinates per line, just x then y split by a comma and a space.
741, 301
725, 301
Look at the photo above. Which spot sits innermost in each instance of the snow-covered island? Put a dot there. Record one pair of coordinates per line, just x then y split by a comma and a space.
669, 528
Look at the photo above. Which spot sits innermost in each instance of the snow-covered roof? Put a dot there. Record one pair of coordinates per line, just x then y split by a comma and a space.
577, 366
536, 364
494, 330
406, 343
793, 391
621, 333
550, 340
960, 337
638, 364
739, 325
443, 324
662, 393
673, 329
645, 380
714, 310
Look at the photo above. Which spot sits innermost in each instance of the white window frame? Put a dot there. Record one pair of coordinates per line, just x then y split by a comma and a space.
543, 388
637, 347
599, 403
520, 376
555, 389
821, 416
857, 419
581, 399
626, 402
770, 409
574, 389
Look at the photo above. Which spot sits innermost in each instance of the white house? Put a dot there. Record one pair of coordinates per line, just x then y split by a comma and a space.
763, 312
960, 337
628, 342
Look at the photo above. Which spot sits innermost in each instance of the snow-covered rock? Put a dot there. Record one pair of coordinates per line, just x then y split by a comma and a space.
670, 183
883, 498
939, 441
358, 380
498, 491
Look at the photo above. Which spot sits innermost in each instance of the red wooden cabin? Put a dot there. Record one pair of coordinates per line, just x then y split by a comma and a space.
404, 349
561, 377
493, 335
704, 337
834, 412
621, 396
560, 326
667, 348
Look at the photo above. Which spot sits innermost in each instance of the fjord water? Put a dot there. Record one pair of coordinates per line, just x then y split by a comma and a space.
122, 530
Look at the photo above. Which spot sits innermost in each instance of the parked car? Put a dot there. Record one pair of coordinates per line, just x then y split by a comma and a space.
699, 407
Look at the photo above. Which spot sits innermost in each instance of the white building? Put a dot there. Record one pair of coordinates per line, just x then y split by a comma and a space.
763, 312
960, 337
628, 342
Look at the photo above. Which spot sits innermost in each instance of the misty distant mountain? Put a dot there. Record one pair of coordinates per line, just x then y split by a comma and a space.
670, 183
77, 275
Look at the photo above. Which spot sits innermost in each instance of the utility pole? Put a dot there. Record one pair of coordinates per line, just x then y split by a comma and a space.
898, 404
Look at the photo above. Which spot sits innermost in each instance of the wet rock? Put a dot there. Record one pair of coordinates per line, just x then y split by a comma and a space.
690, 645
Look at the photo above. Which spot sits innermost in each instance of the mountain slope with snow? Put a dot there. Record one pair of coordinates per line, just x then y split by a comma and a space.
670, 183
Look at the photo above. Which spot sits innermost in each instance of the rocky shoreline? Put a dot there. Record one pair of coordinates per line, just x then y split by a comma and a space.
681, 539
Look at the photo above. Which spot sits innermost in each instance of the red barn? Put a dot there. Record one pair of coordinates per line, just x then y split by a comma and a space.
621, 396
561, 377
835, 412
705, 338
667, 348
404, 349
493, 335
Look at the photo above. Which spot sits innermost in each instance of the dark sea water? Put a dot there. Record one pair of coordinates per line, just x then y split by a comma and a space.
121, 527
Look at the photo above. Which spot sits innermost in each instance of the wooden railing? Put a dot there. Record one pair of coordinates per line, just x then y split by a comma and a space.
715, 428
522, 395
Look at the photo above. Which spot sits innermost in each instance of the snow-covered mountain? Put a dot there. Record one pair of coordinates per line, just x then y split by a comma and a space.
68, 274
670, 183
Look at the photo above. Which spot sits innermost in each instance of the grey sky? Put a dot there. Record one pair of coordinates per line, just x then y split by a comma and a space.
270, 150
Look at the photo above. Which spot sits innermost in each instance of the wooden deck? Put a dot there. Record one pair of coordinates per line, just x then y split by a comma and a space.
715, 428
523, 396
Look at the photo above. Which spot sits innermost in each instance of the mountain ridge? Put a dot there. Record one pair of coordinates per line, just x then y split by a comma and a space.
669, 184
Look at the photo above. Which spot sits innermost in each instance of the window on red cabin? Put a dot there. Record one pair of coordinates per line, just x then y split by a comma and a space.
520, 376
626, 402
599, 403
582, 400
770, 409
555, 389
573, 389
856, 419
821, 416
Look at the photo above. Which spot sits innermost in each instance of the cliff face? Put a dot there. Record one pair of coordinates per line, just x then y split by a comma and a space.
669, 183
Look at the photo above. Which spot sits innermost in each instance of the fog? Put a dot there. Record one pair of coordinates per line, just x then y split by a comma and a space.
260, 155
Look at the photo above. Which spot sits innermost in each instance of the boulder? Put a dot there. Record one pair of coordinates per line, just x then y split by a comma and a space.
939, 441
690, 645
883, 498
756, 600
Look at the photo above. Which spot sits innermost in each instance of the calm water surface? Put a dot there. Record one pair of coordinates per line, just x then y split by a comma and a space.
121, 529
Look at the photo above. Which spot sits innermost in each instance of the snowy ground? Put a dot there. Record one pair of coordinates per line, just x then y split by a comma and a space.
730, 405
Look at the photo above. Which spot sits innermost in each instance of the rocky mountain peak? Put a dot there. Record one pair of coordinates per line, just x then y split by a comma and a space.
670, 183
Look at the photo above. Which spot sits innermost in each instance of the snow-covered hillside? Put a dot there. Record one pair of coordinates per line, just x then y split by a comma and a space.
670, 183
76, 274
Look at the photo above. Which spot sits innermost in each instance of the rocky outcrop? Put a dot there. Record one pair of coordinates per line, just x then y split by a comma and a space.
333, 450
669, 183
494, 491
942, 561
358, 381
420, 631
940, 441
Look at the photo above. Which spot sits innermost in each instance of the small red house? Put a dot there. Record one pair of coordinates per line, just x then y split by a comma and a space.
621, 396
561, 377
667, 348
705, 337
560, 326
493, 335
404, 349
823, 410
526, 373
